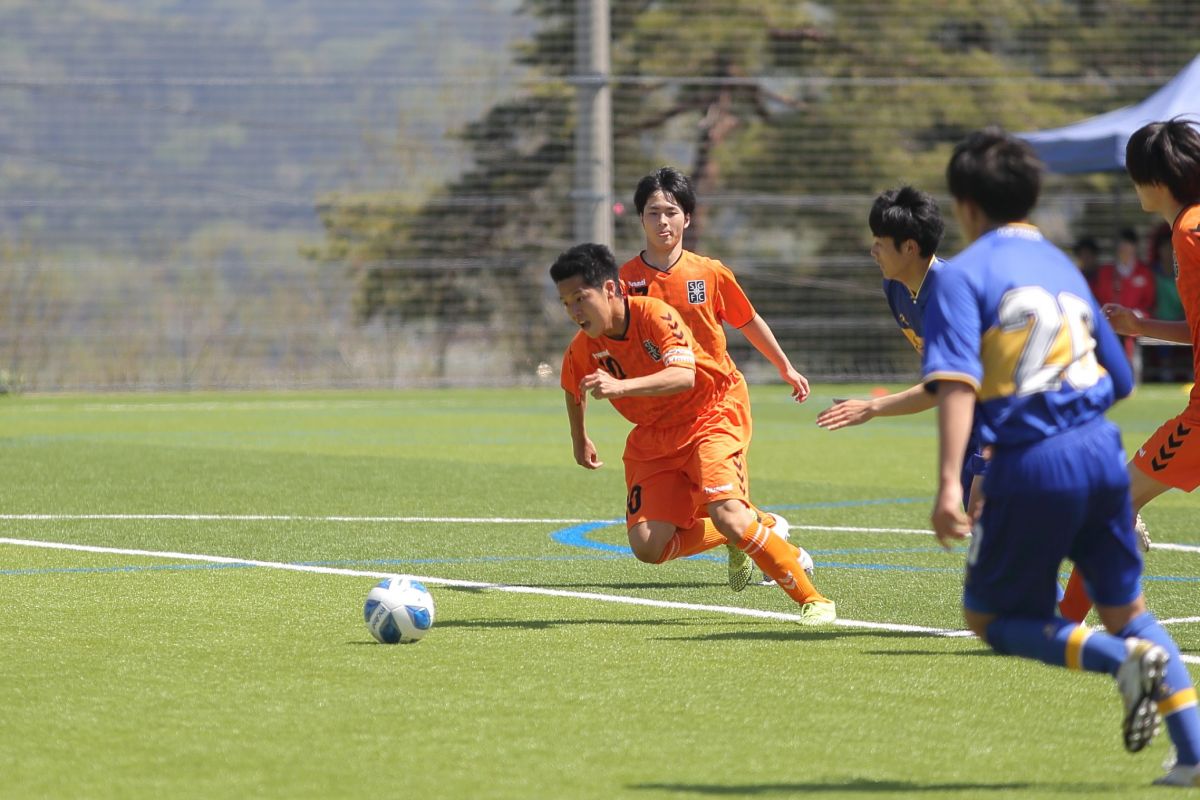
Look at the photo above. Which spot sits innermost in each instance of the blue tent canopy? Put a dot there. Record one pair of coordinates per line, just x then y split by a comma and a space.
1097, 144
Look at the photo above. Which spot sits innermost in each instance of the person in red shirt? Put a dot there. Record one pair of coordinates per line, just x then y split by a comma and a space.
1126, 282
685, 470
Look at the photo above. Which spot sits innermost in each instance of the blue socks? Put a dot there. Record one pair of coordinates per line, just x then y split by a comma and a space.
1058, 642
1178, 701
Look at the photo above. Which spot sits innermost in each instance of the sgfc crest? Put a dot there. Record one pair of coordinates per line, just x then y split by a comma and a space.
696, 293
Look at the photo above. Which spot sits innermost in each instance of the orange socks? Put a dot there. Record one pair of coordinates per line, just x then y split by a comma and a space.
777, 559
696, 539
1075, 604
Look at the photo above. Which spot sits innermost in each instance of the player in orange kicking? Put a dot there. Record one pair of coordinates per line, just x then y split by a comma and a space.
706, 295
684, 458
1163, 159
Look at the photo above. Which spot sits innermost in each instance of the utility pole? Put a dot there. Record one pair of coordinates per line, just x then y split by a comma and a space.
592, 193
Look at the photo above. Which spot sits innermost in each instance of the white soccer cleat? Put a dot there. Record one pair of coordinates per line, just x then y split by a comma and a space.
1140, 679
806, 561
1139, 527
778, 525
781, 528
1179, 775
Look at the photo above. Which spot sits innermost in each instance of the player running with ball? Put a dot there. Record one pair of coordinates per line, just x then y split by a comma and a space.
685, 470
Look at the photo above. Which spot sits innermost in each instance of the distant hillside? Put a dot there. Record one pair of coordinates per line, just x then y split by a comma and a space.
129, 123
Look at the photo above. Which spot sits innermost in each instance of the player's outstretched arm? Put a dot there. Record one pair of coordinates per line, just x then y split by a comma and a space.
1127, 322
844, 413
585, 452
759, 334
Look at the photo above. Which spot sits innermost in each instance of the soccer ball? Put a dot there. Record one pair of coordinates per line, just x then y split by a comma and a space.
398, 611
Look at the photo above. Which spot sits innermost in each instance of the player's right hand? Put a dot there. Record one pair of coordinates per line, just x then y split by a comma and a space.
844, 413
587, 457
950, 522
601, 385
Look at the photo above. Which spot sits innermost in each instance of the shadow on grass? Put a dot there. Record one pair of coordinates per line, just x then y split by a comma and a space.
865, 786
979, 651
595, 587
788, 632
542, 624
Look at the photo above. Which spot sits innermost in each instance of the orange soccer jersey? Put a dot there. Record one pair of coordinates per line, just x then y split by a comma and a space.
1185, 239
686, 449
655, 338
703, 290
1172, 454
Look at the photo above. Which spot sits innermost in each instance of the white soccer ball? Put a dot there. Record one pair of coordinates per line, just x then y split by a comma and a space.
399, 611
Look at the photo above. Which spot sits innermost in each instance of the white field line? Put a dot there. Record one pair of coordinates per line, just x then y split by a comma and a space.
498, 587
501, 587
1182, 548
291, 518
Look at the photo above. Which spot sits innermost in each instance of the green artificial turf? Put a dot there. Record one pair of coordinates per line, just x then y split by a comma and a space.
128, 675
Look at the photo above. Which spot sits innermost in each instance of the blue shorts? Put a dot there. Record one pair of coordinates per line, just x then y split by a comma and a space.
1062, 497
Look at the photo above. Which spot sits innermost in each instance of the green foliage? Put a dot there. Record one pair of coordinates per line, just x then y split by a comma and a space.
804, 104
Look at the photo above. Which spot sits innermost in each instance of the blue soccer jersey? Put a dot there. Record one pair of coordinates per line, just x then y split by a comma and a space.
1013, 317
909, 309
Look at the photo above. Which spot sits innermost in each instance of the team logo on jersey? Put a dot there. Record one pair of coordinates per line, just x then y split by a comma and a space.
696, 293
652, 349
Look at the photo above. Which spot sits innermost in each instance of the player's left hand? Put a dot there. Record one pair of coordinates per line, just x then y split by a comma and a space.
950, 522
601, 385
798, 382
1124, 321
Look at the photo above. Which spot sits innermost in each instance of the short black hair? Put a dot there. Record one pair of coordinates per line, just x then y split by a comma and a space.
1127, 235
997, 172
1167, 153
594, 262
1086, 243
908, 213
672, 183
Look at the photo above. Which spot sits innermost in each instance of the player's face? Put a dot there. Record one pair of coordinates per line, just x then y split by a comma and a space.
892, 260
663, 222
588, 307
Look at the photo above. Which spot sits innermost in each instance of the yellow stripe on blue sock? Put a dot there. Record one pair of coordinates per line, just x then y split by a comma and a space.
1184, 698
1075, 643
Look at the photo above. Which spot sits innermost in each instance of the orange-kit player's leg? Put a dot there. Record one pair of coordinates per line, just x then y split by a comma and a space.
701, 536
779, 560
1170, 459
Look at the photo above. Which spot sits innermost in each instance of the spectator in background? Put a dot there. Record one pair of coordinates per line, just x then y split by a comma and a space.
1126, 282
1087, 257
1163, 362
1167, 304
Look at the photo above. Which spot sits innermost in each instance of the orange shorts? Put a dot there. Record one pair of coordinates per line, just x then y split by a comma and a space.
1172, 454
671, 474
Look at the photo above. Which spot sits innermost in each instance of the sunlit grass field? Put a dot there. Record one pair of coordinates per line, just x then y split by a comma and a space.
143, 657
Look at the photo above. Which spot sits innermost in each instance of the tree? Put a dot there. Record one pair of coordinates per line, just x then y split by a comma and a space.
789, 117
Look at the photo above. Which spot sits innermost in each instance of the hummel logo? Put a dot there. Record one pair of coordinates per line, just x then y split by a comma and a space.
724, 487
788, 582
